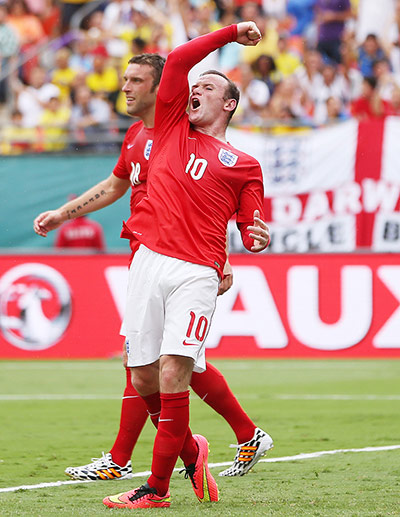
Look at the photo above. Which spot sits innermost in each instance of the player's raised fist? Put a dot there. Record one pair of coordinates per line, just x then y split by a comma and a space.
248, 33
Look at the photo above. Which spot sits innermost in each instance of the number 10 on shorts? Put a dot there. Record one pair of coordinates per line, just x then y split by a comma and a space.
199, 326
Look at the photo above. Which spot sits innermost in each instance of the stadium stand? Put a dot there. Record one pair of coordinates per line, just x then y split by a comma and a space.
312, 67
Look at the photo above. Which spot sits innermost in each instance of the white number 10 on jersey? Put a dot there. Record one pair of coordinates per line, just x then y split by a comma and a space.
196, 167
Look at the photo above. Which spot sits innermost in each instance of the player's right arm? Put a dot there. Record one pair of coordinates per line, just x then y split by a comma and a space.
99, 196
185, 56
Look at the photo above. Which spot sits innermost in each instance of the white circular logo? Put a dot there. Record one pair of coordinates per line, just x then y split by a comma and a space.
35, 306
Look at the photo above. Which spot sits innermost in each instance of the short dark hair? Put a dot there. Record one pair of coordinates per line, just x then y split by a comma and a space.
264, 57
231, 91
371, 80
140, 43
155, 61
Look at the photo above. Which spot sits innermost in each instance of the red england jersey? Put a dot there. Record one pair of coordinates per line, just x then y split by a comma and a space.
196, 183
133, 165
133, 162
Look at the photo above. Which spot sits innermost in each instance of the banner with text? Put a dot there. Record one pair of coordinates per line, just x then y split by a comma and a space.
335, 189
339, 305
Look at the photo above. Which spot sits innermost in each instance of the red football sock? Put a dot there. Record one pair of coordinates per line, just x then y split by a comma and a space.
212, 387
172, 430
190, 449
153, 404
133, 418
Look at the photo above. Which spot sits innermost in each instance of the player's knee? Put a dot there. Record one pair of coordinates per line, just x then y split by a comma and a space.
145, 380
175, 373
169, 382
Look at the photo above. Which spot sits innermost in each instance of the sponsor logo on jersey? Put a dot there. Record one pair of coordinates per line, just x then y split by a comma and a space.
129, 146
147, 149
227, 157
35, 306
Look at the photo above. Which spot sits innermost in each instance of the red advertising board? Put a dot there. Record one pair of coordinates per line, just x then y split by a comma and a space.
336, 305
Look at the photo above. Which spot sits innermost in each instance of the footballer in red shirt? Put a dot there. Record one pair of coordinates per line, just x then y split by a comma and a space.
141, 84
196, 182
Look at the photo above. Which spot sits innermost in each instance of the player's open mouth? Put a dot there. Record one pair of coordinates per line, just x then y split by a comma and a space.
195, 104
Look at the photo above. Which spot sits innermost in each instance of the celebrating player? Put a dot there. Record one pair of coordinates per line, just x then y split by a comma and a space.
196, 182
141, 85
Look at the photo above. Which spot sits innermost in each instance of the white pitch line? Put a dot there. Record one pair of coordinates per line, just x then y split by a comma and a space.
56, 396
302, 456
61, 365
337, 397
116, 364
4, 397
88, 396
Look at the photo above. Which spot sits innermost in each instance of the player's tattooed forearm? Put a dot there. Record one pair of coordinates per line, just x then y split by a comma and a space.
75, 211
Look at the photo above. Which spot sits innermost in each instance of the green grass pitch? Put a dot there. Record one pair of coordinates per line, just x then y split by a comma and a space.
59, 414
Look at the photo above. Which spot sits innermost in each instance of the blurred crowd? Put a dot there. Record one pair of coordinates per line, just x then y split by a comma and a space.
319, 61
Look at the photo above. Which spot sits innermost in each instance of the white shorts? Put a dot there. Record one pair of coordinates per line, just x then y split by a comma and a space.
169, 307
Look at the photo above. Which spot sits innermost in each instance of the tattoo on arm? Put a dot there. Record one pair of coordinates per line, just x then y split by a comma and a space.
74, 211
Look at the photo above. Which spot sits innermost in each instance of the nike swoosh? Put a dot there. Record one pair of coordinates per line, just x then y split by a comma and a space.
189, 344
129, 146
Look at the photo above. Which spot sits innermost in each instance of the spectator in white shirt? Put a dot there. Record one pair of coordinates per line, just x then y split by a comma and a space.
254, 96
31, 99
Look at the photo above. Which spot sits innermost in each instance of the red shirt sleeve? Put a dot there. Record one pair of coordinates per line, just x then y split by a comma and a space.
120, 169
251, 198
173, 92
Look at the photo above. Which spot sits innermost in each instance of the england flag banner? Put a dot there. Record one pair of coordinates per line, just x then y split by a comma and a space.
332, 190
